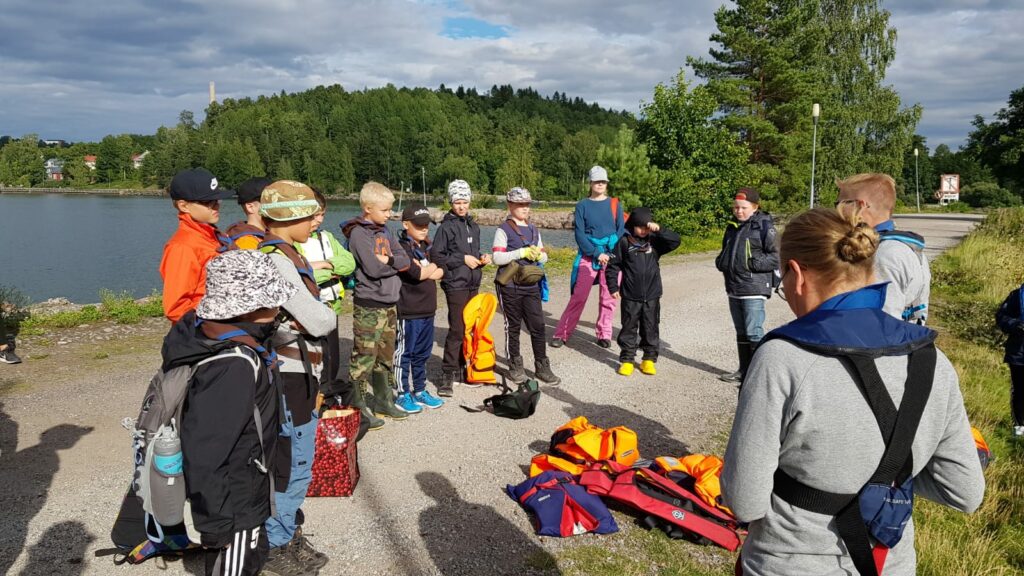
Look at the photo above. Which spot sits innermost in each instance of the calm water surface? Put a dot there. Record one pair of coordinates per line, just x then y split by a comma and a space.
72, 246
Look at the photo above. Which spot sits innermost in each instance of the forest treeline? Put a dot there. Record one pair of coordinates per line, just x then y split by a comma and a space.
741, 118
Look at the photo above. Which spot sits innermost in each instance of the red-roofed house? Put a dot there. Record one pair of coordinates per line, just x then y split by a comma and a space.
90, 161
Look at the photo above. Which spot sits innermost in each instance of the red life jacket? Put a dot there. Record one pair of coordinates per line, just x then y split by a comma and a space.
664, 501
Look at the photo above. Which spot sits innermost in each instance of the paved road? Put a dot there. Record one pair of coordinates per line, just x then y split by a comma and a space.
431, 497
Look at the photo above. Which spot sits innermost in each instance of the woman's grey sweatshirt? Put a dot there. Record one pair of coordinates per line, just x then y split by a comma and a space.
802, 412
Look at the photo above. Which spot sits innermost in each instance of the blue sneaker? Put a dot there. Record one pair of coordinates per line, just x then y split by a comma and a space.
425, 398
406, 404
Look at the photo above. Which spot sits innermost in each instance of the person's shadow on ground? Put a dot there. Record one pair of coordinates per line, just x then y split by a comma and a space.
464, 538
664, 352
59, 551
25, 476
653, 438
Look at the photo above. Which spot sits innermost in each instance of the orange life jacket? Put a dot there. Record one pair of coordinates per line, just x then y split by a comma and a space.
705, 471
984, 453
578, 443
477, 342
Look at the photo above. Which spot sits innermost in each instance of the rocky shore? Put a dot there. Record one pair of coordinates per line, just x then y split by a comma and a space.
549, 220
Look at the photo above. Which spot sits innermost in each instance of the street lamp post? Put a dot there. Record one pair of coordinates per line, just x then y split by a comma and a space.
815, 112
423, 175
917, 181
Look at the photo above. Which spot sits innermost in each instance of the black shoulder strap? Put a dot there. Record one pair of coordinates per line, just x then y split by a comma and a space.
898, 430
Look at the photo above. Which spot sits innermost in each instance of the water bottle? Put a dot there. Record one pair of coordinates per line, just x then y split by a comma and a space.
167, 482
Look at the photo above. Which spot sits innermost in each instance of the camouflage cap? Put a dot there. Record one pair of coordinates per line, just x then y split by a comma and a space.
286, 200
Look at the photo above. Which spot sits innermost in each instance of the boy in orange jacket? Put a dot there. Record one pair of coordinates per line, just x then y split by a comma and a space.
196, 196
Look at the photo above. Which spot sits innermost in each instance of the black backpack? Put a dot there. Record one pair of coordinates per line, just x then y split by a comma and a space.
518, 404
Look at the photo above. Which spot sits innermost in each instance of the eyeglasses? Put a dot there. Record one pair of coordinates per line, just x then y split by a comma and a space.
779, 291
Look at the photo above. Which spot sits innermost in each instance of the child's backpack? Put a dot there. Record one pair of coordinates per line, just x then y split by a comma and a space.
561, 507
145, 528
578, 443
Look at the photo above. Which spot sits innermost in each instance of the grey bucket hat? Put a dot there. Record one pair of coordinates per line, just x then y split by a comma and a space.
597, 174
242, 281
518, 195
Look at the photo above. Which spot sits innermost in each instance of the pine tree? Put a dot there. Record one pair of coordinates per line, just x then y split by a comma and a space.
775, 58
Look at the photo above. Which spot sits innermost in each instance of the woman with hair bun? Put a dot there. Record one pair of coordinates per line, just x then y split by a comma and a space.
806, 461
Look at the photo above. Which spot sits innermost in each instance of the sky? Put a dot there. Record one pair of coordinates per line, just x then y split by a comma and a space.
79, 71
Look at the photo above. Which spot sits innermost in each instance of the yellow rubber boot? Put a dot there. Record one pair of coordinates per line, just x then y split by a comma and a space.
626, 369
647, 367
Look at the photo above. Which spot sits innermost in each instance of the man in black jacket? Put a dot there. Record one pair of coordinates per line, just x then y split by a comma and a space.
230, 419
637, 255
748, 261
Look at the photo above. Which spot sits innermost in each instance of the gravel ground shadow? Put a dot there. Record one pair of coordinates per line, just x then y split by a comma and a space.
465, 538
26, 476
60, 550
653, 438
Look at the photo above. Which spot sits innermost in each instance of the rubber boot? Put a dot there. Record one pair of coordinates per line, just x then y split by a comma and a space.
359, 401
746, 350
542, 368
383, 403
742, 347
516, 373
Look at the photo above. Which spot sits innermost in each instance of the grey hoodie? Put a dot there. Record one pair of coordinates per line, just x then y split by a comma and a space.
909, 275
377, 283
803, 413
316, 318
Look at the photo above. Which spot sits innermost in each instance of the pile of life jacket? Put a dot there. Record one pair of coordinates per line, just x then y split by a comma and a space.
587, 466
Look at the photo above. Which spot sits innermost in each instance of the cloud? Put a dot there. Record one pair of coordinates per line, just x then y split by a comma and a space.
134, 66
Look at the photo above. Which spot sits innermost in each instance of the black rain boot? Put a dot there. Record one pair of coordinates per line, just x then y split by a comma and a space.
742, 346
445, 388
746, 350
383, 398
359, 401
516, 373
542, 368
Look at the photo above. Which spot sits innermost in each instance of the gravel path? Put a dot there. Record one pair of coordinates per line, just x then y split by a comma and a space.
430, 500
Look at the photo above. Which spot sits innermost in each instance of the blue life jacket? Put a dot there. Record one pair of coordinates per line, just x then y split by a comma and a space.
852, 327
561, 507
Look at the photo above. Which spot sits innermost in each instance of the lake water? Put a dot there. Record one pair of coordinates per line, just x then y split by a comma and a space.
72, 246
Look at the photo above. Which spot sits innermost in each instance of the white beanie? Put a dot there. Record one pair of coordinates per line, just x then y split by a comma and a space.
459, 190
598, 174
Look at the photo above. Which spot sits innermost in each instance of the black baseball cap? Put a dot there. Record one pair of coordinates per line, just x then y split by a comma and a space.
252, 189
418, 214
197, 185
639, 217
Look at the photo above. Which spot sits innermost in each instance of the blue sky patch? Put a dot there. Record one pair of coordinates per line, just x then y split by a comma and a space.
472, 28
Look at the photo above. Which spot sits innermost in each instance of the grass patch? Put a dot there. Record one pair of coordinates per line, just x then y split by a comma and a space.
968, 284
120, 308
639, 552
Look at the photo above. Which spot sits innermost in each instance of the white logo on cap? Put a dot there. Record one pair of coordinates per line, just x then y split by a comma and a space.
422, 211
213, 184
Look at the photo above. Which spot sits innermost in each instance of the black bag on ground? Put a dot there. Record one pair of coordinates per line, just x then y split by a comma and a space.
518, 404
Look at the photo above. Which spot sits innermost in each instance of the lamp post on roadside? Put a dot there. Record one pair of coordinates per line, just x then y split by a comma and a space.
815, 112
423, 174
917, 181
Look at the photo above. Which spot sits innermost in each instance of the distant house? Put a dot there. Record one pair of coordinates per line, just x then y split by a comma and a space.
138, 159
90, 161
60, 143
54, 169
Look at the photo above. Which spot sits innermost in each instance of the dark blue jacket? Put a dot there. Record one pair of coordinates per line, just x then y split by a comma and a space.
749, 256
1009, 320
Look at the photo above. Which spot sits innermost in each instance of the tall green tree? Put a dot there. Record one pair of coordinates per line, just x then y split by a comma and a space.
517, 167
630, 172
864, 127
999, 145
774, 58
21, 162
703, 164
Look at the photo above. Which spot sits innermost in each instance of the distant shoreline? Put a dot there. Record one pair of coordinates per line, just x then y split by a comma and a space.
84, 191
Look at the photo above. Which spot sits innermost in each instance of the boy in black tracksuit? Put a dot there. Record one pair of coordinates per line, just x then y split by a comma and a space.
456, 249
225, 453
417, 304
637, 255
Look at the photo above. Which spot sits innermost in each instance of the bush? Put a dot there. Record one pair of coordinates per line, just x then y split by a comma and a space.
989, 195
957, 207
13, 309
